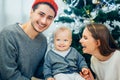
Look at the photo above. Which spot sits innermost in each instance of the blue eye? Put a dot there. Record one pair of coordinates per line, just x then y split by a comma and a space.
57, 39
65, 40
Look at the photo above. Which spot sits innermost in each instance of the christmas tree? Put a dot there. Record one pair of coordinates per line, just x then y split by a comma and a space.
81, 12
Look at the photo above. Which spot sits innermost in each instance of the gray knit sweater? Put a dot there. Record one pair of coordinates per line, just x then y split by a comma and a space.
20, 57
72, 62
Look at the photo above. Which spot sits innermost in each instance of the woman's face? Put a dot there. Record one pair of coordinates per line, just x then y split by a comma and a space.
89, 44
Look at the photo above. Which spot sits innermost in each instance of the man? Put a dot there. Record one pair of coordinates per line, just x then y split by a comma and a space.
23, 46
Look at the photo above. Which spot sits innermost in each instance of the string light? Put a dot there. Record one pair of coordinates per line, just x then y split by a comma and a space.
88, 14
65, 1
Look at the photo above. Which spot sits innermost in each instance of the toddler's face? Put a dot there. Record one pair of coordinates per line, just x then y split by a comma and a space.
62, 40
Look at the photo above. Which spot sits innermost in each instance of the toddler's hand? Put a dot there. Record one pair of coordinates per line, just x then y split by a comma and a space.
85, 71
87, 74
50, 78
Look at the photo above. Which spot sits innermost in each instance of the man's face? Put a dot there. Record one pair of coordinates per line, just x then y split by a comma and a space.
42, 17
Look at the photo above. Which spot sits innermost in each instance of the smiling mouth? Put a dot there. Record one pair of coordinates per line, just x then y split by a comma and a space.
83, 47
40, 25
61, 46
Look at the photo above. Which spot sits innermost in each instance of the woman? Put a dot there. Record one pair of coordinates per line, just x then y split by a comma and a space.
97, 41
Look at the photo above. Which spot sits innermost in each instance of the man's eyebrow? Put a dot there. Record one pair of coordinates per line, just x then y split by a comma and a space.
51, 16
48, 15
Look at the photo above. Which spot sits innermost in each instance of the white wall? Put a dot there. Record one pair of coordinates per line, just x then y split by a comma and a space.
12, 11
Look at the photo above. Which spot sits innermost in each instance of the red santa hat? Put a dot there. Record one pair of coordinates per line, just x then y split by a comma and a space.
51, 2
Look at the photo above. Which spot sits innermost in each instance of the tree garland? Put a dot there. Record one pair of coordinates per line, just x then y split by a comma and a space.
100, 11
